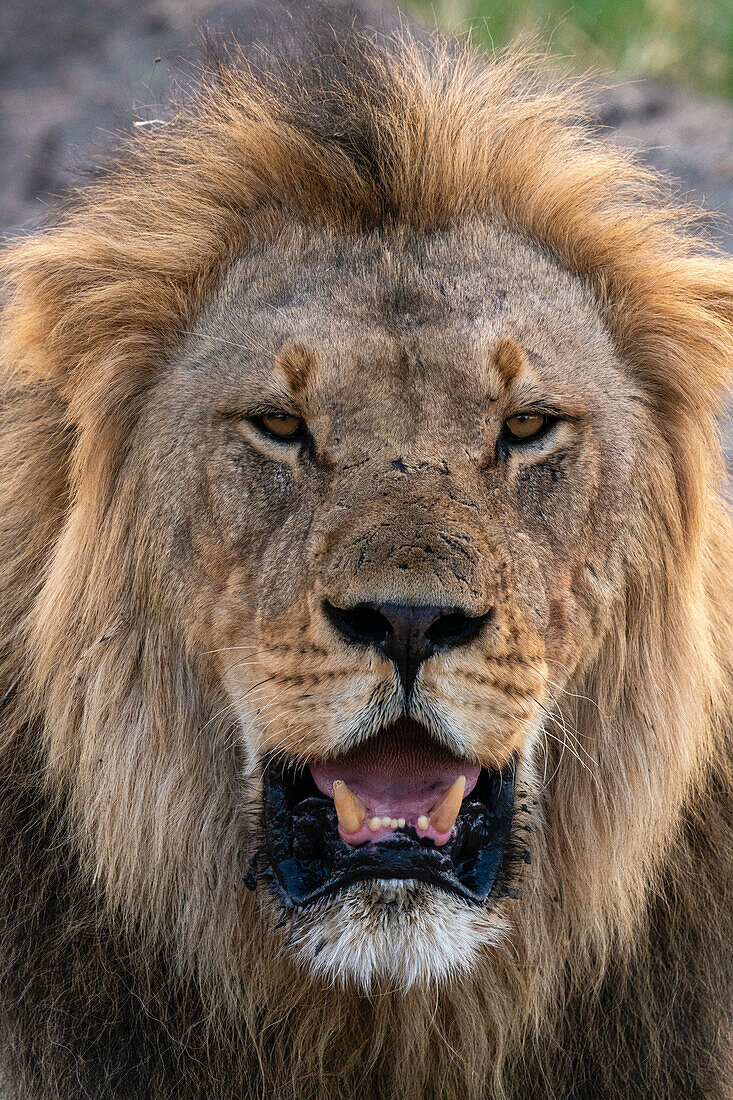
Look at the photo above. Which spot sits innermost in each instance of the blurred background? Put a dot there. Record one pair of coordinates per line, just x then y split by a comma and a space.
687, 42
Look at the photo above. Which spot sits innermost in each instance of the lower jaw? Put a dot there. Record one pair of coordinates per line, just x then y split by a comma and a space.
393, 935
307, 859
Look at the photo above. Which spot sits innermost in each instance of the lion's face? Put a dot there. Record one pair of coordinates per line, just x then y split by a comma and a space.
377, 470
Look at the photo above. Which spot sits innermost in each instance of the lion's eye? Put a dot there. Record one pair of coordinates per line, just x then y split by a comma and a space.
525, 426
282, 425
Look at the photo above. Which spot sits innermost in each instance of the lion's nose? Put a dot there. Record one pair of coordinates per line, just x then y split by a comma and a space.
406, 633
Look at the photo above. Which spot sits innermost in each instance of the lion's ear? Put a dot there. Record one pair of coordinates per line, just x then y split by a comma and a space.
702, 309
97, 300
675, 329
672, 320
716, 291
82, 302
92, 308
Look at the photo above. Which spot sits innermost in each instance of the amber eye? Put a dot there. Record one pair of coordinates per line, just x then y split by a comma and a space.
525, 426
281, 425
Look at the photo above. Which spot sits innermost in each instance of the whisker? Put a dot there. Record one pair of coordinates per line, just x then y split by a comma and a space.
572, 752
567, 731
575, 695
250, 342
229, 648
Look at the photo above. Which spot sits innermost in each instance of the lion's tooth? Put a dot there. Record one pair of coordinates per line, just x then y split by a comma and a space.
423, 823
445, 811
349, 807
375, 824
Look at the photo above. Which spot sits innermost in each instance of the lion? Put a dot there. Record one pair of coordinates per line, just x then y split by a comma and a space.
366, 602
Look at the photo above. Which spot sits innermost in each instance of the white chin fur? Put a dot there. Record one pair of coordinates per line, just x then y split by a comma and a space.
404, 933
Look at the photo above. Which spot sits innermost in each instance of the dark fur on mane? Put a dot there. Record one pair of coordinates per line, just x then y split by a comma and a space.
348, 132
88, 1012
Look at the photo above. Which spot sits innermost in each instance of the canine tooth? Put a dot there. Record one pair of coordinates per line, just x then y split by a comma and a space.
423, 822
375, 823
349, 808
445, 810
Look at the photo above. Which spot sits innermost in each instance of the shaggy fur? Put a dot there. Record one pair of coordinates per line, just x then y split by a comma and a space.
134, 962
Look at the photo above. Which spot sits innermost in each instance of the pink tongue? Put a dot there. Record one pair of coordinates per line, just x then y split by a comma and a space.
397, 774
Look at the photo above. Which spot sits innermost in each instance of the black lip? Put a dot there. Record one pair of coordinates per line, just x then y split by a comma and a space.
308, 860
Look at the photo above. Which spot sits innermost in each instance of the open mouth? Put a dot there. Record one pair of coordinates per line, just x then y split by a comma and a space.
398, 806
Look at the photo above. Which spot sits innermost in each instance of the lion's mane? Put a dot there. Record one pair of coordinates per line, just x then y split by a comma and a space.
132, 958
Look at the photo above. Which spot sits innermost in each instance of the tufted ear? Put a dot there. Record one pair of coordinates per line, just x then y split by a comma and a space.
673, 323
94, 302
91, 307
675, 320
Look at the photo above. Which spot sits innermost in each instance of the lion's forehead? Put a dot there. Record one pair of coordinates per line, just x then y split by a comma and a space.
397, 321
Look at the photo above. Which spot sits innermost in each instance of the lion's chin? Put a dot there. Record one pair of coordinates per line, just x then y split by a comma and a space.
397, 898
395, 933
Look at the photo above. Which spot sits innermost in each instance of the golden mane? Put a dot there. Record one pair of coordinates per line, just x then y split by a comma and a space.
429, 136
434, 137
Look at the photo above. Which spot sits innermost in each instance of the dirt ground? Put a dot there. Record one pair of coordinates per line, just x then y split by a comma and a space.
74, 71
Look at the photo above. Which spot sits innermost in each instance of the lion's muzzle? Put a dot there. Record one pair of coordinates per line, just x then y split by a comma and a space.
406, 634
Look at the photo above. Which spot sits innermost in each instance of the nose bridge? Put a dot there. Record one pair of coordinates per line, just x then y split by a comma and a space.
414, 537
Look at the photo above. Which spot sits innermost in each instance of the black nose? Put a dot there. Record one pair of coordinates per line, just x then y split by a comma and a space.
408, 634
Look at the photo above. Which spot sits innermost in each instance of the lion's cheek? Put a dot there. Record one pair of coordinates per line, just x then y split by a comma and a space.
569, 635
493, 698
292, 699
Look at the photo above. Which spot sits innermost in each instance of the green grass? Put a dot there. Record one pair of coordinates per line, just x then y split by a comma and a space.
689, 43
